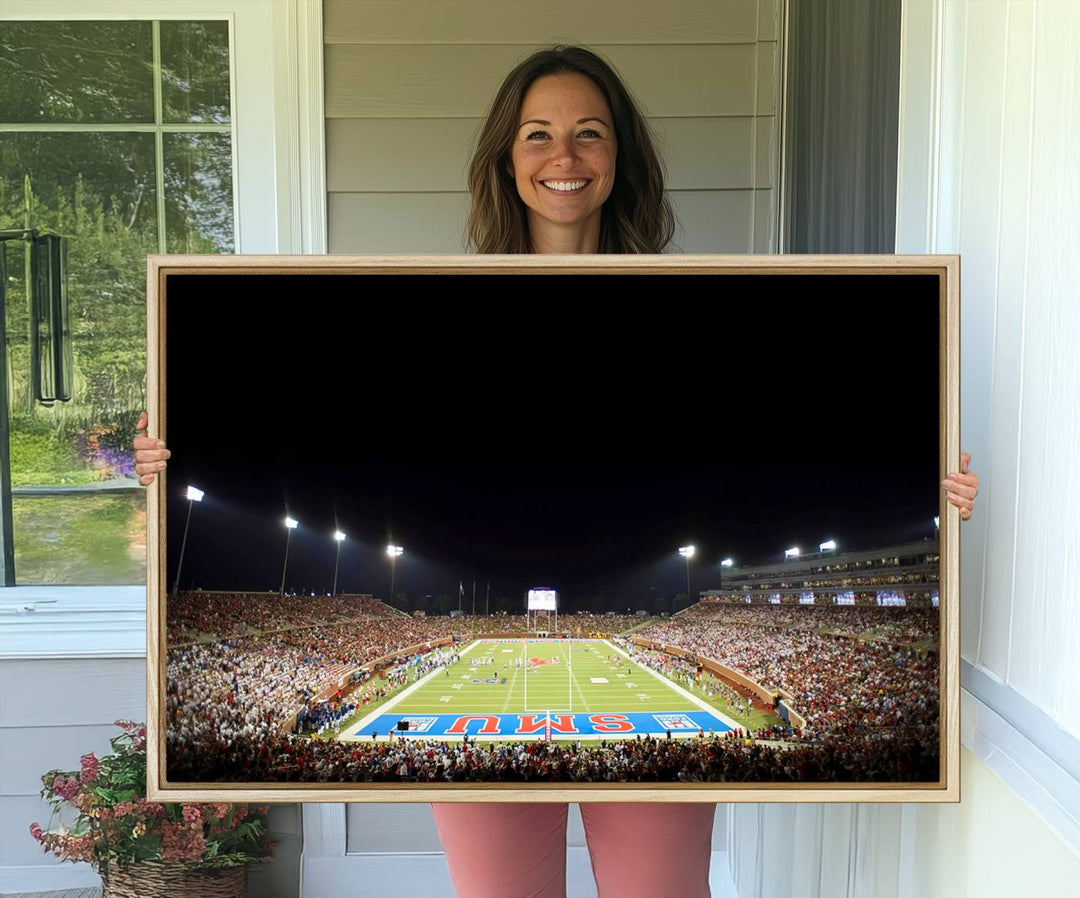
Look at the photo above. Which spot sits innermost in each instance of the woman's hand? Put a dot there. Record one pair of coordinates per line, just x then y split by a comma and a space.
960, 489
150, 454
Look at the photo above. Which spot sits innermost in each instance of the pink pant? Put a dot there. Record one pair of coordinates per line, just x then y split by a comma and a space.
519, 850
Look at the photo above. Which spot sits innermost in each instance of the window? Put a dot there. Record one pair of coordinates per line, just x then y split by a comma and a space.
116, 135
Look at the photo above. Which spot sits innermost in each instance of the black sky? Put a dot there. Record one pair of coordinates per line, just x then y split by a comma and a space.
570, 431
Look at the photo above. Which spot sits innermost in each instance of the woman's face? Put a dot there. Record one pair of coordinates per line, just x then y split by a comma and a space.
563, 155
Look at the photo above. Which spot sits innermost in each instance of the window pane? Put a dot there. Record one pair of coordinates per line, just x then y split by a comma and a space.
79, 516
198, 193
195, 71
83, 539
97, 190
76, 72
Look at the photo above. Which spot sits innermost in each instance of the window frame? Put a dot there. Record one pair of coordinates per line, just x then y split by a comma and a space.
276, 96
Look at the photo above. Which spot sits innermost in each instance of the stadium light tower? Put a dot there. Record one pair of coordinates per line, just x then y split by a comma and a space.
727, 562
687, 552
290, 526
828, 546
194, 494
393, 551
793, 552
339, 537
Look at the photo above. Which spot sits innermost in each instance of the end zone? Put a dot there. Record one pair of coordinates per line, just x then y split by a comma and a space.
539, 725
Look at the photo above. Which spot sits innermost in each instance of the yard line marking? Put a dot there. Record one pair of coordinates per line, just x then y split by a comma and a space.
510, 691
585, 708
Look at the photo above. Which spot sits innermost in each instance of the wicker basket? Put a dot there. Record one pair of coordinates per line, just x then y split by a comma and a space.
174, 881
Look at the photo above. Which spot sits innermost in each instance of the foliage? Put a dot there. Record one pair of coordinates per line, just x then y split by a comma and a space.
92, 538
99, 189
115, 824
38, 458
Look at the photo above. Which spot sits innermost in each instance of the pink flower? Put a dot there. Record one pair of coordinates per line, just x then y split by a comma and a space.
123, 808
89, 768
218, 809
192, 814
181, 842
65, 788
36, 832
150, 808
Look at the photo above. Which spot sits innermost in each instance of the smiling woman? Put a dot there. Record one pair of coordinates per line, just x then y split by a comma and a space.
565, 163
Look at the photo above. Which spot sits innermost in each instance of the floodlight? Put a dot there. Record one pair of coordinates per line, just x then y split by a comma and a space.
793, 552
291, 524
194, 494
339, 538
828, 546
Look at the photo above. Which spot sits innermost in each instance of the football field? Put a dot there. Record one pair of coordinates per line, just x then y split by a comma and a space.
537, 689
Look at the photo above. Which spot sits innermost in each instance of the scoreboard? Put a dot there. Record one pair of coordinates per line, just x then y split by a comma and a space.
543, 599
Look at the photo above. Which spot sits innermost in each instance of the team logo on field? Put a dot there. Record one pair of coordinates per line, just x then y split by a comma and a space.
675, 722
420, 724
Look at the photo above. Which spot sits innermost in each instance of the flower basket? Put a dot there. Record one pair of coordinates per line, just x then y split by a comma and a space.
174, 881
148, 849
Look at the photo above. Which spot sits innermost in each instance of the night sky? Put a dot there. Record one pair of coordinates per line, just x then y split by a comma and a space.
544, 430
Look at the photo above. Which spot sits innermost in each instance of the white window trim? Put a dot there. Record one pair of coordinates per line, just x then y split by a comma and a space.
280, 201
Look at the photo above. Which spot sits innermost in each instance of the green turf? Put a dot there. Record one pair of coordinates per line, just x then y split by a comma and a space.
629, 688
755, 720
563, 686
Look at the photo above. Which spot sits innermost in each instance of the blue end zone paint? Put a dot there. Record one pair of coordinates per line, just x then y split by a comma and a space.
534, 725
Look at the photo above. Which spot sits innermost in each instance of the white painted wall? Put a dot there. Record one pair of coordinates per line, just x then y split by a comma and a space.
990, 169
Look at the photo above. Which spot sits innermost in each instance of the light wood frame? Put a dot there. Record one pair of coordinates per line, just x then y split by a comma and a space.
947, 268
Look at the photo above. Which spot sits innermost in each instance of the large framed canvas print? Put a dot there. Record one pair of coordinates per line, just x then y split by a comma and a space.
554, 528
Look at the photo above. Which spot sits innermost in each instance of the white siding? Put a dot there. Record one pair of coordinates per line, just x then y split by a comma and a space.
408, 83
1008, 200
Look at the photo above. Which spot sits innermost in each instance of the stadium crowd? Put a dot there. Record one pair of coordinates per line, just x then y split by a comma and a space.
280, 758
900, 625
871, 708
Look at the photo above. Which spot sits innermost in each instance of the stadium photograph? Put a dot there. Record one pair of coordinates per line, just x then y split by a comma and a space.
533, 537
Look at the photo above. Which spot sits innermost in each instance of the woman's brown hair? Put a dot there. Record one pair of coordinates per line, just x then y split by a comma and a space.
636, 218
